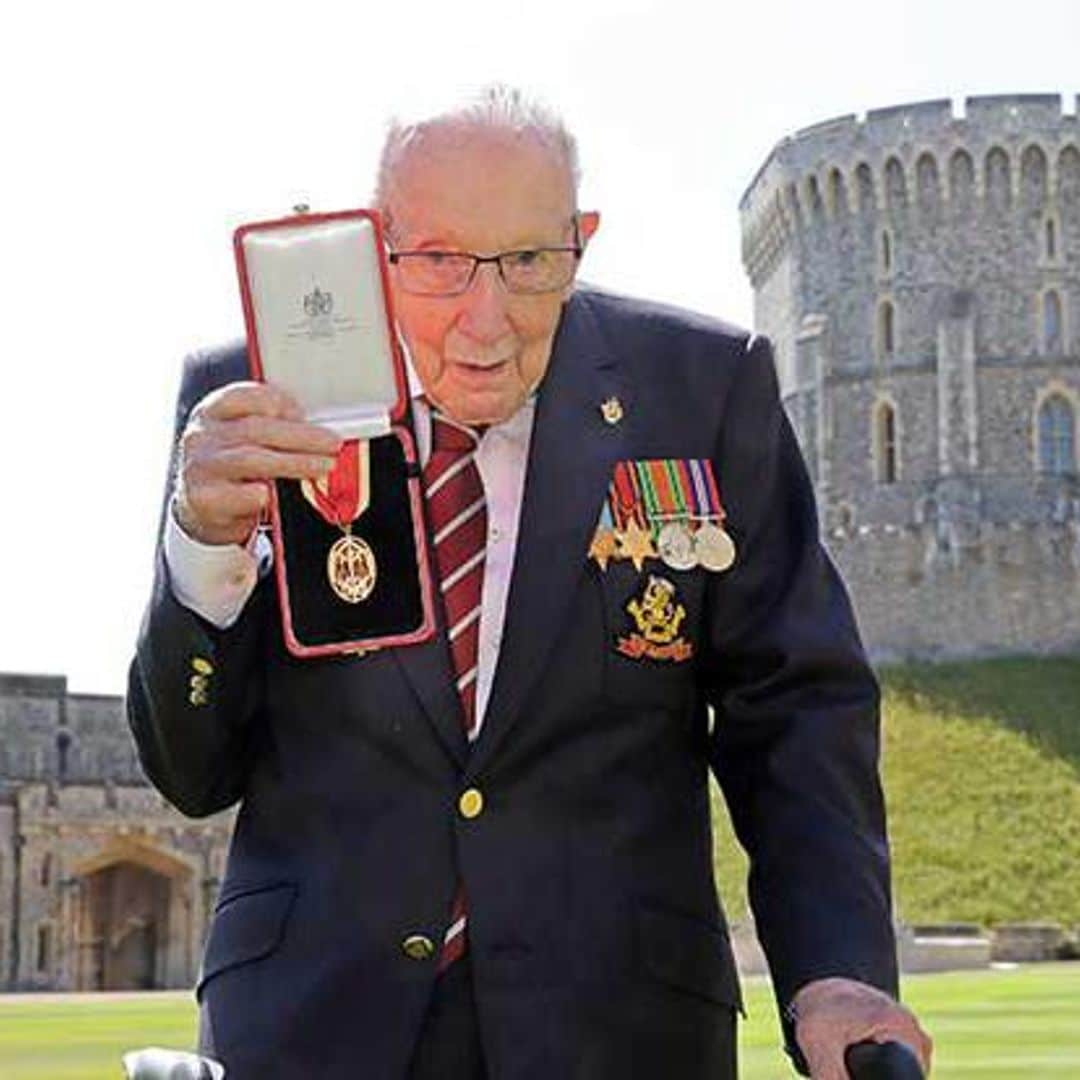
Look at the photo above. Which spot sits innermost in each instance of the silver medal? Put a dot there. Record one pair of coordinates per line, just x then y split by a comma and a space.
715, 549
675, 545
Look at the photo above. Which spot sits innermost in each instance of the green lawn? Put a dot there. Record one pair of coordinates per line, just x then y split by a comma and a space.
981, 767
1021, 1024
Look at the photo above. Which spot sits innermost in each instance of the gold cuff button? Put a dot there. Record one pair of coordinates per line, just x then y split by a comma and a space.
198, 697
418, 947
201, 666
471, 803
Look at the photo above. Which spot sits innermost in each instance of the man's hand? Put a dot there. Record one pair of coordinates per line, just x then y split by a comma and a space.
238, 439
834, 1013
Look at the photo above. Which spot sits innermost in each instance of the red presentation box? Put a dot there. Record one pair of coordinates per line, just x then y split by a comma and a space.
350, 552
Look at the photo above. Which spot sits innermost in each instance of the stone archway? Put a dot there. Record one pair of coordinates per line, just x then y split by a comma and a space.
128, 918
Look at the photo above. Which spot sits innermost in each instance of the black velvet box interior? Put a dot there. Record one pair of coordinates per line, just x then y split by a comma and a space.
395, 606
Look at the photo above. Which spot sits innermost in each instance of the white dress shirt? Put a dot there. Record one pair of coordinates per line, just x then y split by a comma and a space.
216, 581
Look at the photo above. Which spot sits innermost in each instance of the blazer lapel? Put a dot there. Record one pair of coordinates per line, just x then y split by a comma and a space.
428, 669
572, 453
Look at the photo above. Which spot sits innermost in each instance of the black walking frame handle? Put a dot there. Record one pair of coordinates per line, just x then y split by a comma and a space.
882, 1061
864, 1060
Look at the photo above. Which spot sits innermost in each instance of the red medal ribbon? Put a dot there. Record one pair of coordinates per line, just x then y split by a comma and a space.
344, 495
624, 495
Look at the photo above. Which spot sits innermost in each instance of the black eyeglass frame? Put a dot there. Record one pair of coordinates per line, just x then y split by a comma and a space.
576, 249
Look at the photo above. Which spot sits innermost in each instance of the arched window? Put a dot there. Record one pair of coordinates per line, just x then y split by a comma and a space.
44, 947
886, 329
1051, 239
885, 443
1051, 322
838, 193
46, 871
998, 179
1057, 436
864, 185
886, 252
895, 184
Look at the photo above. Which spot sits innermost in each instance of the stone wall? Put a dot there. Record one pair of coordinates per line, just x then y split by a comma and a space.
82, 833
902, 264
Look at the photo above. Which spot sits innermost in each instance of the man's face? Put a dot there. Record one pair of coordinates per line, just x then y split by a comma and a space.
480, 354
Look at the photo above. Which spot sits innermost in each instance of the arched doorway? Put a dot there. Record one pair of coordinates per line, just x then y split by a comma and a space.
125, 910
126, 919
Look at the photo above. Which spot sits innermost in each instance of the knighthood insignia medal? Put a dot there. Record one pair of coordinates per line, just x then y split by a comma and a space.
340, 498
657, 615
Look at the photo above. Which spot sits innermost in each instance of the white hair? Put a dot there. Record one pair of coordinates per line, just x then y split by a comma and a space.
496, 107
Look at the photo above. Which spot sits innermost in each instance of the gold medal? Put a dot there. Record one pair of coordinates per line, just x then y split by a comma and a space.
715, 549
351, 568
340, 499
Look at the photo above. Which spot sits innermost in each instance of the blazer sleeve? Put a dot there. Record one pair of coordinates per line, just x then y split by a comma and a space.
194, 691
795, 738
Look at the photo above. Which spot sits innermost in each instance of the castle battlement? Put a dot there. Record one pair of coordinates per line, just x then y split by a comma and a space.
923, 155
918, 272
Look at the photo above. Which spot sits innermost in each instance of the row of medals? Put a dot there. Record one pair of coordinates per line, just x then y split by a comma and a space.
682, 548
678, 545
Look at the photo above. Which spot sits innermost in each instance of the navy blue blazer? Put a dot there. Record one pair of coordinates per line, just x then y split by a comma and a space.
599, 948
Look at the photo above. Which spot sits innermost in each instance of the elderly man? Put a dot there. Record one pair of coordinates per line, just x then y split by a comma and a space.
513, 880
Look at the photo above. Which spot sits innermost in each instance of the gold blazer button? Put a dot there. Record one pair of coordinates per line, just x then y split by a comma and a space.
471, 803
418, 947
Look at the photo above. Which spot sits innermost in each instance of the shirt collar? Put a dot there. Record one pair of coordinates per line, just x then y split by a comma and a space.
515, 427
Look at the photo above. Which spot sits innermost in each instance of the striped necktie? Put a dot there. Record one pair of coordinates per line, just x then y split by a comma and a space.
458, 517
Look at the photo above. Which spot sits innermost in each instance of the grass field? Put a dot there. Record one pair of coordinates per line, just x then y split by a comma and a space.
1007, 1025
981, 766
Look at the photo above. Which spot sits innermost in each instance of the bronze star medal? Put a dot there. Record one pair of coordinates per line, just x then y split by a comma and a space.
603, 547
341, 498
633, 539
636, 544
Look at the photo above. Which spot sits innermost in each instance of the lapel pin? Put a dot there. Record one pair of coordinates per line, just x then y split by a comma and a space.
612, 411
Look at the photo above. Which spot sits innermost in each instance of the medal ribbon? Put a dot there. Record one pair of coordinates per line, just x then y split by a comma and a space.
346, 492
648, 490
624, 495
714, 492
705, 491
676, 487
686, 484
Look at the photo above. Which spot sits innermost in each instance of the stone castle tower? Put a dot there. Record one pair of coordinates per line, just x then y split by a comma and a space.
103, 886
919, 274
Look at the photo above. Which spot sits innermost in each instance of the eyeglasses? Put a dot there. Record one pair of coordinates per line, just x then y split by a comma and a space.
450, 273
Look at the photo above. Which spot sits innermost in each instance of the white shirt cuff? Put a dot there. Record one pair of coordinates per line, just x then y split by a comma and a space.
214, 580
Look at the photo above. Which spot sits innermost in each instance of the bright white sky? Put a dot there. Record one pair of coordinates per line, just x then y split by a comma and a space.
137, 136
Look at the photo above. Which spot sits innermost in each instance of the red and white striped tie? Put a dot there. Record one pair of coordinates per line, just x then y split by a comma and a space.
458, 516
